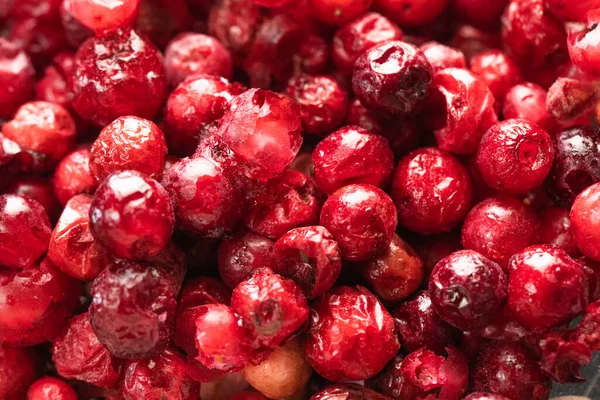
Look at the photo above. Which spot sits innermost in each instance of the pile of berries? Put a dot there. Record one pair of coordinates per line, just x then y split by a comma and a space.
298, 199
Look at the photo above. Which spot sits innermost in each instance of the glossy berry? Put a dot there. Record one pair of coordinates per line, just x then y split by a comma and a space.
193, 54
16, 78
346, 392
196, 103
323, 102
38, 189
221, 338
352, 155
77, 354
26, 231
531, 35
418, 325
342, 322
239, 256
19, 369
338, 12
395, 273
262, 129
538, 276
132, 215
467, 289
309, 256
272, 307
72, 176
44, 128
75, 32
102, 16
528, 101
583, 49
431, 190
113, 72
485, 396
499, 227
463, 109
128, 143
289, 201
160, 377
213, 208
555, 229
35, 303
515, 156
411, 13
441, 57
498, 71
392, 77
362, 219
48, 388
353, 39
584, 222
511, 371
132, 310
72, 248
577, 162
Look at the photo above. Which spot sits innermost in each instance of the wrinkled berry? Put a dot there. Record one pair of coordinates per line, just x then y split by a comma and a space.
441, 57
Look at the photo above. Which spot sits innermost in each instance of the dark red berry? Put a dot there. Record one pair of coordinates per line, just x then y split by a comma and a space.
411, 13
555, 229
19, 369
16, 78
339, 12
72, 176
441, 57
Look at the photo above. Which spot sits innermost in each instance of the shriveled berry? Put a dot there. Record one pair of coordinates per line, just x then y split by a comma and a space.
511, 371
18, 369
463, 109
273, 307
392, 77
290, 201
35, 303
242, 254
77, 354
132, 310
128, 143
395, 273
555, 229
25, 231
546, 287
194, 53
132, 215
160, 377
44, 128
100, 16
499, 227
441, 57
222, 339
212, 207
338, 12
515, 156
351, 335
38, 189
569, 99
498, 71
577, 162
16, 78
72, 176
419, 325
431, 190
72, 248
528, 101
311, 257
196, 103
262, 129
113, 73
322, 100
362, 219
352, 155
584, 222
48, 388
411, 13
353, 39
467, 289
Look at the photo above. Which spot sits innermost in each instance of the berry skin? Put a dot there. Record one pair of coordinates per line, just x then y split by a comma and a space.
102, 15
339, 12
16, 78
584, 222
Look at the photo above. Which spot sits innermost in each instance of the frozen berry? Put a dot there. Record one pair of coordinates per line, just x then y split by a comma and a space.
16, 78
72, 176
100, 15
584, 222
48, 388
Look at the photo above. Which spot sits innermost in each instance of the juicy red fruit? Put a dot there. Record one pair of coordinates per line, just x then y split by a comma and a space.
16, 78
103, 15
584, 221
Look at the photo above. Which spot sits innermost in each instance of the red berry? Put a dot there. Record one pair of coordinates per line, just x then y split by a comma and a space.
539, 276
48, 388
515, 156
432, 191
19, 369
555, 229
528, 101
411, 13
441, 57
100, 16
498, 71
351, 335
362, 219
483, 14
72, 176
584, 222
77, 354
38, 189
467, 289
568, 11
73, 249
345, 392
339, 12
16, 78
113, 72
